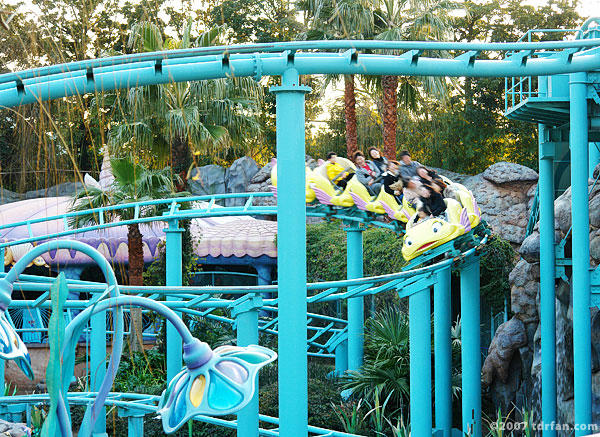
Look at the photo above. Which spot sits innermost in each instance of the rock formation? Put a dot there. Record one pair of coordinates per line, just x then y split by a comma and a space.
14, 429
207, 180
522, 387
238, 177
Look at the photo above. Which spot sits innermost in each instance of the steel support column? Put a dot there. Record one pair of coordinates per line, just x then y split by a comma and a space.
420, 363
582, 354
547, 289
246, 316
98, 365
356, 310
291, 255
471, 349
442, 320
174, 278
341, 358
135, 421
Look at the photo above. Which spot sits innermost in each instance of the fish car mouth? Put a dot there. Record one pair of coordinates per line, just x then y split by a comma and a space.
426, 245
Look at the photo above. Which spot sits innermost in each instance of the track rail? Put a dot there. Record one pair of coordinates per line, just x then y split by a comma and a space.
324, 332
307, 57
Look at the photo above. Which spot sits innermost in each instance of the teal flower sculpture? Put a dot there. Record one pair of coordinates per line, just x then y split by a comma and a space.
213, 383
11, 345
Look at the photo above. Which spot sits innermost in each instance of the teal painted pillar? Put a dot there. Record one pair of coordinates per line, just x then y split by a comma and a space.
174, 278
442, 343
471, 349
291, 255
341, 357
246, 317
135, 421
420, 363
547, 289
580, 285
98, 365
594, 158
356, 310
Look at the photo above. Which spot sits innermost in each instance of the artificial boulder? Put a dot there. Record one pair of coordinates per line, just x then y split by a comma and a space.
207, 180
524, 280
238, 177
260, 183
14, 429
530, 249
507, 172
69, 189
510, 336
524, 289
7, 196
504, 192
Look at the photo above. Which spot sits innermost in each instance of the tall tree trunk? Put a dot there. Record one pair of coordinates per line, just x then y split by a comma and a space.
390, 115
181, 158
136, 268
350, 110
468, 94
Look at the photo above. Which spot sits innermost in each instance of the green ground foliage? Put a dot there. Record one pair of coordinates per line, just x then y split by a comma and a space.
326, 252
496, 264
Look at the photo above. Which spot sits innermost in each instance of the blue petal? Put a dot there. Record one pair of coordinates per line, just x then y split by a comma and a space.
221, 396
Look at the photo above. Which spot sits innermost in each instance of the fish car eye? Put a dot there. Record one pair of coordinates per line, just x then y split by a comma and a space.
408, 242
436, 227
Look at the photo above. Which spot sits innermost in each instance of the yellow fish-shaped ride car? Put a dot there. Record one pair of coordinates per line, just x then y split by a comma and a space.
319, 187
436, 231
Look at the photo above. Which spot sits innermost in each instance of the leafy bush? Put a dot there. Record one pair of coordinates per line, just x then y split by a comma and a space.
497, 262
384, 377
386, 360
142, 372
326, 252
322, 392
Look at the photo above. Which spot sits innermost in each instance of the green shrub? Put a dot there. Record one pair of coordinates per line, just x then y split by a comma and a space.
497, 262
322, 392
385, 374
326, 252
142, 372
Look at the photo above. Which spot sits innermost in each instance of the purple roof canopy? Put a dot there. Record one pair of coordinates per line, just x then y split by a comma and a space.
218, 236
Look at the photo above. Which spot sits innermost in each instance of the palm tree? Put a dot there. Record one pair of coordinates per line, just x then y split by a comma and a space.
340, 19
173, 121
133, 182
421, 20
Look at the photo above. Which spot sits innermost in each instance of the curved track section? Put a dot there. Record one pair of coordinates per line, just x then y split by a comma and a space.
258, 60
325, 332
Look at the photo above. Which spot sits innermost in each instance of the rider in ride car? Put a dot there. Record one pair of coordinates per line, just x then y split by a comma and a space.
367, 173
380, 161
391, 177
431, 179
432, 202
336, 173
408, 169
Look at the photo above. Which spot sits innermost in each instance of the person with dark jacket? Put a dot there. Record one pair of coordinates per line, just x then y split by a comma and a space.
390, 176
431, 179
432, 202
380, 161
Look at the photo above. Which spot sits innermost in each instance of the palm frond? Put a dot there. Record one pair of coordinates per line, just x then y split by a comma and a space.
145, 37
